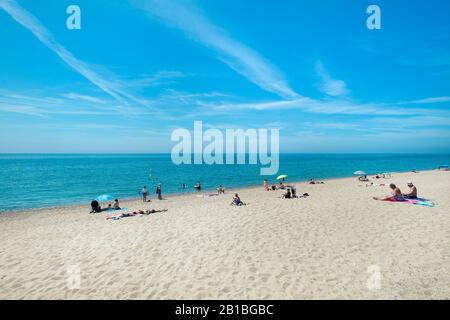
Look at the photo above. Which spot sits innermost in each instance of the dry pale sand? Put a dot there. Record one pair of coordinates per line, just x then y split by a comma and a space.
324, 246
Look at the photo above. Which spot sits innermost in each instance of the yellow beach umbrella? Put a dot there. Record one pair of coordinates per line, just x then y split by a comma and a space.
282, 177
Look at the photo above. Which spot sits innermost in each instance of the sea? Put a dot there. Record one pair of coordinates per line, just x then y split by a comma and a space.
49, 180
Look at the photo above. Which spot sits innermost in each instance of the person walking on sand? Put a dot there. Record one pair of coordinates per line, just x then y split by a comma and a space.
144, 193
158, 191
265, 184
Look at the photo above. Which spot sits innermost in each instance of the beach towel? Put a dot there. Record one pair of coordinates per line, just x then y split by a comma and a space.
114, 210
418, 201
422, 202
122, 215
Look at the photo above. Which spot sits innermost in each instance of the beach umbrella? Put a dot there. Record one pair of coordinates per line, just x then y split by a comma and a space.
282, 177
359, 173
104, 198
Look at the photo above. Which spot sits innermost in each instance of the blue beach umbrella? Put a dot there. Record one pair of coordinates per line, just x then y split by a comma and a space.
104, 198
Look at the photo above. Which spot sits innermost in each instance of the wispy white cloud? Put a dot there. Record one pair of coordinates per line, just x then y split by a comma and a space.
157, 79
171, 105
344, 107
427, 100
236, 55
377, 125
87, 98
329, 85
30, 22
38, 103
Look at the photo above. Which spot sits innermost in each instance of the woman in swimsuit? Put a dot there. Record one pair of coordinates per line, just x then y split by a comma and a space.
396, 194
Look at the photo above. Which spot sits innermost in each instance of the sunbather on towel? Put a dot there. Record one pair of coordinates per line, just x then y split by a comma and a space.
396, 194
412, 194
147, 212
123, 215
135, 213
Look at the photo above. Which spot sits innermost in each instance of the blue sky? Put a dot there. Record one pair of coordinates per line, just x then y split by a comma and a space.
139, 69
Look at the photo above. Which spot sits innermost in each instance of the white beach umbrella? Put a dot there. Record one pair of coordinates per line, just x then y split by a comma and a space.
359, 173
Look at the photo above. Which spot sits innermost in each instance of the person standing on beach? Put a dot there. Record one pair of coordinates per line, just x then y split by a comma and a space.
144, 194
158, 191
265, 184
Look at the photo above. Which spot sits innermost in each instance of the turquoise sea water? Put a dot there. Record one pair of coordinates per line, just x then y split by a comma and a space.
37, 180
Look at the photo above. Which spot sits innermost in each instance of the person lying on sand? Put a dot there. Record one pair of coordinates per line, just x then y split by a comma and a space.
396, 194
135, 213
123, 215
412, 194
147, 212
237, 201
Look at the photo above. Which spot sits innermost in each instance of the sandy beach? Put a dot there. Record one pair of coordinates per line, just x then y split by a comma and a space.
325, 246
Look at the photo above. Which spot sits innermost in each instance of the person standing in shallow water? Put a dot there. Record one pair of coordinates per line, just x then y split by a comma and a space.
144, 192
158, 191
